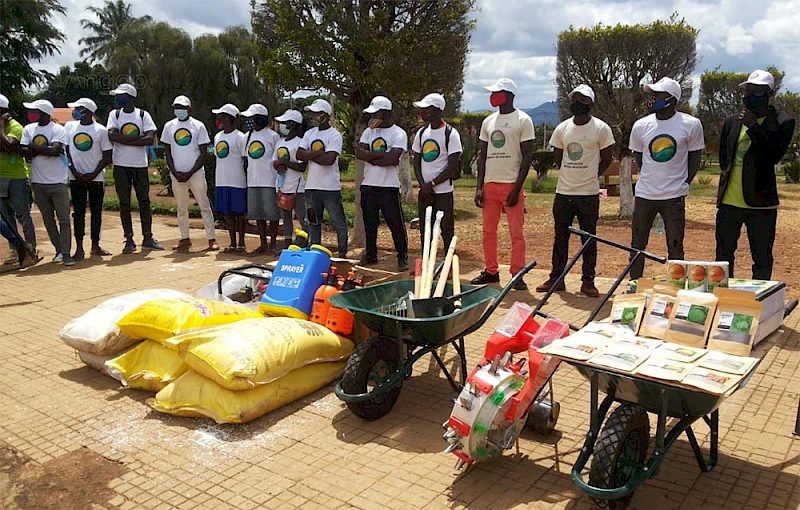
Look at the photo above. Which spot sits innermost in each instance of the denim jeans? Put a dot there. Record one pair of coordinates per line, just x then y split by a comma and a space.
53, 202
16, 200
318, 201
6, 232
299, 211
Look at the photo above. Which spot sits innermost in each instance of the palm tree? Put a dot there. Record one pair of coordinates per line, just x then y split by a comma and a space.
112, 19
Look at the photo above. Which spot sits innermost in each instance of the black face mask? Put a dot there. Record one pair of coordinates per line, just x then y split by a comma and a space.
577, 108
756, 104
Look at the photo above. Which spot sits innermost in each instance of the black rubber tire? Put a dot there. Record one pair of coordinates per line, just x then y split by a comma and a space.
628, 428
357, 376
543, 419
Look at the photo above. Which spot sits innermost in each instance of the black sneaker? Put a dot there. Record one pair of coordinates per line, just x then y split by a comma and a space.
151, 244
485, 278
520, 285
402, 265
130, 246
366, 260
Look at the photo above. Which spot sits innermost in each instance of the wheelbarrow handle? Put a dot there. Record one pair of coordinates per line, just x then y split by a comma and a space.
499, 299
645, 254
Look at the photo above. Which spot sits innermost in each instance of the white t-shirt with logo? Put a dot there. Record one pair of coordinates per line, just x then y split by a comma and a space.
665, 147
320, 177
135, 123
286, 150
430, 144
383, 140
260, 148
230, 149
86, 146
503, 133
184, 138
581, 160
46, 169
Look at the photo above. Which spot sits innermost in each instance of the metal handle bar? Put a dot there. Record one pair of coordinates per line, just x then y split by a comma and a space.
645, 254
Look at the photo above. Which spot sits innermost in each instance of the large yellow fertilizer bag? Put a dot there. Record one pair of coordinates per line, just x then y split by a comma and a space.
163, 318
195, 396
149, 366
251, 352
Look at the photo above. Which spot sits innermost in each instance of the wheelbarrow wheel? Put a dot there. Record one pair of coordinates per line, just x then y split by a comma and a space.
370, 364
543, 416
620, 452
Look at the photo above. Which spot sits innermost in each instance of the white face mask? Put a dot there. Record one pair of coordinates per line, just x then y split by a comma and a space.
284, 129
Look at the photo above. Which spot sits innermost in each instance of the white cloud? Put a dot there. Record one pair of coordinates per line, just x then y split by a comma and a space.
739, 41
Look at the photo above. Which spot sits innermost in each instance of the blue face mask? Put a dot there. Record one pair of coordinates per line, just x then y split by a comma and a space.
284, 129
181, 114
77, 114
121, 101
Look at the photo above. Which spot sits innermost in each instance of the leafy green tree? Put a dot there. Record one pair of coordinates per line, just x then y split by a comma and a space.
616, 61
27, 35
83, 80
356, 50
112, 18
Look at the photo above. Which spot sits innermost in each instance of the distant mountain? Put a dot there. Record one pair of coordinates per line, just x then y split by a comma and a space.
544, 112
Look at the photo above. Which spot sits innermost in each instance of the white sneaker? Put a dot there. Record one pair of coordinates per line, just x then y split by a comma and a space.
58, 258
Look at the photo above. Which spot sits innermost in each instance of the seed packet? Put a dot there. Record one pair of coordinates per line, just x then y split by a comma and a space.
711, 380
620, 356
627, 310
665, 369
717, 273
639, 342
691, 318
697, 279
735, 322
658, 312
604, 332
578, 347
722, 362
677, 271
678, 352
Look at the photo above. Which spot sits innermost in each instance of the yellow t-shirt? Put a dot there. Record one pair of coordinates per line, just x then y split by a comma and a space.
734, 195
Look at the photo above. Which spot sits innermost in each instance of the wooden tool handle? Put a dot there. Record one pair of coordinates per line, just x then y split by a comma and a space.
443, 276
456, 280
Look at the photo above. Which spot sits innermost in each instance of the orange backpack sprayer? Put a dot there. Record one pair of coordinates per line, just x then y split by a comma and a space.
341, 321
322, 305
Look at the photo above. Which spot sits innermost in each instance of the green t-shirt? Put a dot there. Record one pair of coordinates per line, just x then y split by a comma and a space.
734, 195
12, 165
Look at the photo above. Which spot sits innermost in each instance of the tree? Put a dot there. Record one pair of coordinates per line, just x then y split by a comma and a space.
356, 50
27, 35
112, 19
720, 96
616, 61
83, 80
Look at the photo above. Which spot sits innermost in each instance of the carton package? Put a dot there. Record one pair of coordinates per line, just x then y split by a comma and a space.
691, 318
735, 322
696, 279
717, 274
677, 272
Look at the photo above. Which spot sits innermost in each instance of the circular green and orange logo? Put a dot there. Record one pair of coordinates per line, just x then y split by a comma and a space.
283, 154
82, 141
40, 140
379, 145
430, 150
183, 137
317, 145
222, 149
130, 129
663, 148
498, 139
256, 150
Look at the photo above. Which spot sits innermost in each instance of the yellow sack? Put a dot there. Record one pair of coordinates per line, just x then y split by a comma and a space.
149, 366
162, 318
195, 396
251, 352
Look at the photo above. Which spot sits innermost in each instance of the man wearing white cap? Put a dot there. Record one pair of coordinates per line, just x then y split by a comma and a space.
751, 144
667, 146
43, 143
131, 130
506, 149
262, 178
291, 189
89, 153
437, 157
583, 147
380, 148
230, 147
15, 191
186, 142
321, 147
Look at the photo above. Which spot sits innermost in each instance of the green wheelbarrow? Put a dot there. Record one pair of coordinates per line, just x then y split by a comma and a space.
375, 371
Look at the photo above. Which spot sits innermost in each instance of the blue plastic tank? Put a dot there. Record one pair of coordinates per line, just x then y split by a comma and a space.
297, 276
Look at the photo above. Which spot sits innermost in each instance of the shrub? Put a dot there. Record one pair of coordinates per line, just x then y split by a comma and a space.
792, 171
542, 162
705, 180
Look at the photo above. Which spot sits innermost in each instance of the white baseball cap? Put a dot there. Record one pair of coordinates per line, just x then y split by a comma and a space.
320, 105
292, 115
84, 102
125, 88
3, 101
760, 77
255, 109
584, 90
182, 101
502, 84
377, 104
668, 85
43, 105
228, 108
432, 99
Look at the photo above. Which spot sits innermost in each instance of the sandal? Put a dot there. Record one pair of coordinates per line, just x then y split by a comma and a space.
229, 249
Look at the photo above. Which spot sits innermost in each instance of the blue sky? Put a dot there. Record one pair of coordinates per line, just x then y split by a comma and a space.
516, 38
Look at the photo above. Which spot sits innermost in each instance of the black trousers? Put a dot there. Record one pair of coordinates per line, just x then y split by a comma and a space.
565, 209
127, 179
440, 202
95, 191
375, 201
673, 211
761, 225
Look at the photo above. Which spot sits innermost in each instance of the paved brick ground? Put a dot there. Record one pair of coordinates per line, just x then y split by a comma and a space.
314, 453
